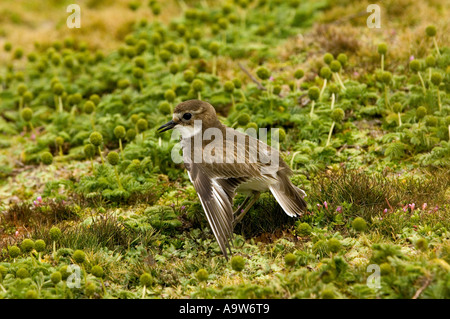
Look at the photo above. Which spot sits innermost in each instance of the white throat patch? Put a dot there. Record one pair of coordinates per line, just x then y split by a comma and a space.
187, 131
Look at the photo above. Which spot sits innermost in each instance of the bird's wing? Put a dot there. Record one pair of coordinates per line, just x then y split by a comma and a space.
216, 204
229, 185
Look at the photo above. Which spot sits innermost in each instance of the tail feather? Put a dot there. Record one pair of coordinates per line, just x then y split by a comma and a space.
289, 197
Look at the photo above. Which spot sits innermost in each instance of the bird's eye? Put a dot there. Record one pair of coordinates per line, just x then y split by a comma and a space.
187, 116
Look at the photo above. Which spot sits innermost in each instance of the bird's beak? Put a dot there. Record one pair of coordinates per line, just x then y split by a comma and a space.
168, 126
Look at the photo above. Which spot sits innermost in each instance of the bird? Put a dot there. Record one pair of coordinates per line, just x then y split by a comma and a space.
233, 162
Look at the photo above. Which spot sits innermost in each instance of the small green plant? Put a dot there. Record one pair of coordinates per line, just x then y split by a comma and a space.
313, 94
56, 277
58, 90
47, 158
421, 244
421, 112
14, 252
39, 245
120, 133
89, 108
22, 273
327, 294
430, 61
96, 139
238, 85
202, 275
290, 260
197, 87
97, 271
335, 67
337, 115
146, 281
264, 74
334, 245
89, 152
359, 224
170, 95
303, 229
214, 48
138, 74
334, 90
328, 58
229, 88
113, 159
90, 289
397, 108
27, 97
80, 257
243, 119
27, 115
343, 59
382, 50
131, 134
237, 263
188, 75
415, 66
59, 141
431, 33
142, 126
298, 74
325, 73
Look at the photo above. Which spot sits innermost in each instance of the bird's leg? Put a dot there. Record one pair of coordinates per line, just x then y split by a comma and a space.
246, 209
236, 212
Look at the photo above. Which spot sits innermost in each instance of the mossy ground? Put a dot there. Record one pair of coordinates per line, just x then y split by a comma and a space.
395, 175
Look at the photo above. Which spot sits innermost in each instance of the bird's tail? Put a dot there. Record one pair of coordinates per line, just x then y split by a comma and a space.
290, 197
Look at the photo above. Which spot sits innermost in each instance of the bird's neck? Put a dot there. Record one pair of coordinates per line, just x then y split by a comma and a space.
199, 129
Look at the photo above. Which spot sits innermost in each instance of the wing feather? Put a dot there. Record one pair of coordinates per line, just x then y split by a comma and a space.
216, 204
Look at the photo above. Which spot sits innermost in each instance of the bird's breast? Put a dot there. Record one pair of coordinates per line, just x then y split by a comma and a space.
256, 184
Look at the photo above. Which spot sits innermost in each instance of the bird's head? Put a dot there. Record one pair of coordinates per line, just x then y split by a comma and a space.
186, 117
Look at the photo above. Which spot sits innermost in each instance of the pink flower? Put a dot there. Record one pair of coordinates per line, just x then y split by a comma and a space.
405, 208
271, 78
183, 207
38, 201
319, 206
412, 206
424, 206
33, 137
339, 209
325, 204
385, 211
355, 73
16, 233
411, 58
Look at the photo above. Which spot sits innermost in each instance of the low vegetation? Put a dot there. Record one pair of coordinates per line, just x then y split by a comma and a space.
92, 205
